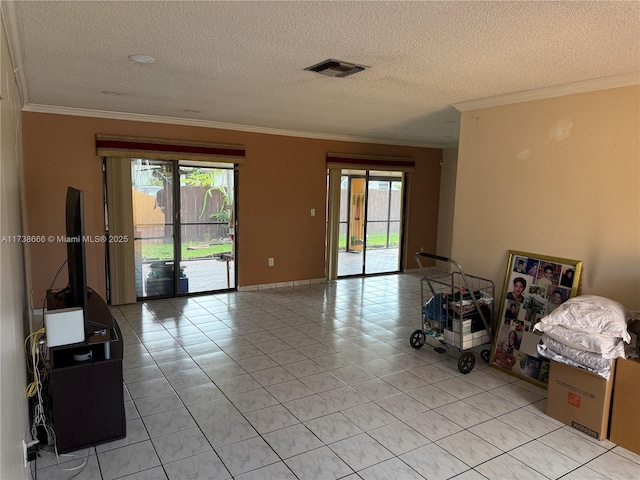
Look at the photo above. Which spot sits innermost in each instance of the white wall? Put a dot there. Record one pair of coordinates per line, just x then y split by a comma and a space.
13, 308
557, 177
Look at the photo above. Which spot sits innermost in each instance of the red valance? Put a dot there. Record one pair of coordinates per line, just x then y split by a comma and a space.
163, 149
367, 162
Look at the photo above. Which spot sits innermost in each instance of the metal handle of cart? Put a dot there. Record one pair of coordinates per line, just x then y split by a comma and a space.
465, 278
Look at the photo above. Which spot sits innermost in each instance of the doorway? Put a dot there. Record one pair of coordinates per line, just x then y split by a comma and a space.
370, 228
184, 218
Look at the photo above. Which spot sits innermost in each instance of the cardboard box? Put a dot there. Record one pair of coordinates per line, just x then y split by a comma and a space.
580, 398
453, 338
466, 326
469, 339
625, 409
480, 337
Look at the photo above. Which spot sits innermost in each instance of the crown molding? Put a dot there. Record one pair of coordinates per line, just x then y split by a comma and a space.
136, 117
624, 80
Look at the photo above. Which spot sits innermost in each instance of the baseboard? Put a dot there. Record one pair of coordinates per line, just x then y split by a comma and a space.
281, 285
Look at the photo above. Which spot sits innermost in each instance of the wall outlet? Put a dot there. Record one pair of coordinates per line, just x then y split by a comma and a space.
271, 263
313, 212
30, 450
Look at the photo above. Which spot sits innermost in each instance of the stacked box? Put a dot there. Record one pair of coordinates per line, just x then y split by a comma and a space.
466, 326
481, 337
625, 416
471, 335
469, 339
580, 398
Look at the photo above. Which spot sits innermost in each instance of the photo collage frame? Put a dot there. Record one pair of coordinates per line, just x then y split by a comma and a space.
535, 285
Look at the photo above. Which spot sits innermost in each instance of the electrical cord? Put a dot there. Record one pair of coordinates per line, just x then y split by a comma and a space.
40, 420
55, 277
34, 389
83, 460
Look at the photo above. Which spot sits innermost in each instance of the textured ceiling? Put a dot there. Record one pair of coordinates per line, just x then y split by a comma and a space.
242, 63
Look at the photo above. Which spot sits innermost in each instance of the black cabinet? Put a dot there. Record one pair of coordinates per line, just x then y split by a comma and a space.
87, 396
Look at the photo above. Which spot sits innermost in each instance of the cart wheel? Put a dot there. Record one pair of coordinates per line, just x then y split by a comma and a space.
466, 362
485, 355
417, 339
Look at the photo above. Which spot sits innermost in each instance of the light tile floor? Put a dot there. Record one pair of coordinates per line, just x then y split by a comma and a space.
319, 382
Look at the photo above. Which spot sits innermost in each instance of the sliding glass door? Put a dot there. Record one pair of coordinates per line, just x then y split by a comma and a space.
384, 214
153, 227
352, 226
206, 240
370, 222
183, 215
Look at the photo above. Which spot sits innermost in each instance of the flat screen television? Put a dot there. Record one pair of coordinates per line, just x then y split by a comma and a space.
76, 294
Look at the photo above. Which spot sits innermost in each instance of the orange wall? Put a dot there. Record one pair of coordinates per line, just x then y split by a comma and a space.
281, 180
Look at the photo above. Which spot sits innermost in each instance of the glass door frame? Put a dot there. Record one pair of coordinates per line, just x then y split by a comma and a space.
233, 169
177, 228
170, 221
390, 180
351, 240
367, 176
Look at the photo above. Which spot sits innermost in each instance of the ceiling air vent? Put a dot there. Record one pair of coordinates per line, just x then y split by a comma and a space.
336, 68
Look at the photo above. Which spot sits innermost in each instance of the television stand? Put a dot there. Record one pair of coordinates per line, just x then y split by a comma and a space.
98, 333
87, 396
